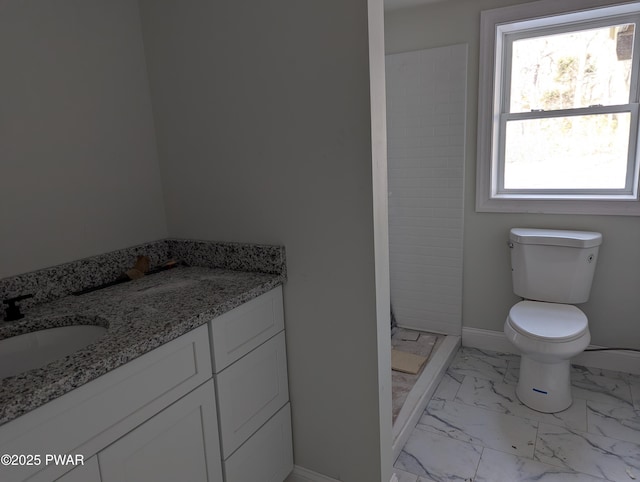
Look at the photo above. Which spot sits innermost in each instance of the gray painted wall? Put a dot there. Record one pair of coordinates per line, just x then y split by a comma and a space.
78, 162
264, 135
614, 305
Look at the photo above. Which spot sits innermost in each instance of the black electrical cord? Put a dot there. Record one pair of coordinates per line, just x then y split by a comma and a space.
606, 349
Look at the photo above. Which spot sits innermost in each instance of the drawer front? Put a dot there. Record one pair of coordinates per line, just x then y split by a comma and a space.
267, 456
242, 329
250, 391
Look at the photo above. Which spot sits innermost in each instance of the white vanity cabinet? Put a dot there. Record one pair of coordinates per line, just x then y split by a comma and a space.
250, 366
209, 406
86, 420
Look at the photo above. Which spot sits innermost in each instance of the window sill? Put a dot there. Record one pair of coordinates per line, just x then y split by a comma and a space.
617, 207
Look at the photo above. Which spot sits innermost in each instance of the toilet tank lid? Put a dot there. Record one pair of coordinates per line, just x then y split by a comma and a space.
556, 237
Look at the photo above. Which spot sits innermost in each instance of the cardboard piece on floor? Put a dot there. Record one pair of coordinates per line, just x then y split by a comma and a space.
401, 361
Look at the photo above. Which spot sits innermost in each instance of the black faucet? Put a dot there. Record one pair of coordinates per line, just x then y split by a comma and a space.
12, 312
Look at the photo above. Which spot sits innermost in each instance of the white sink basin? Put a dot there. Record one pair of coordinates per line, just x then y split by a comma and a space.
38, 348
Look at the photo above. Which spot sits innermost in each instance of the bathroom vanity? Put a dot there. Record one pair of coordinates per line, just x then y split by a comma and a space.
188, 383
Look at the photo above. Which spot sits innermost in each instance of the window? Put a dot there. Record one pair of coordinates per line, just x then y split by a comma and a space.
558, 109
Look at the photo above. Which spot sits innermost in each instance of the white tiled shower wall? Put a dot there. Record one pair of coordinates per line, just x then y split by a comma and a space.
426, 111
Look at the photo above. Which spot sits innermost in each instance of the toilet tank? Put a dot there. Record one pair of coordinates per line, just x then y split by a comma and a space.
553, 265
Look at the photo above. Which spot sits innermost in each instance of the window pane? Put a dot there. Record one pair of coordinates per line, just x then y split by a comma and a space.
578, 152
572, 70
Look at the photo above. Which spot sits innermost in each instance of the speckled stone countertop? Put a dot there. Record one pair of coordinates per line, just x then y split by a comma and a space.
139, 316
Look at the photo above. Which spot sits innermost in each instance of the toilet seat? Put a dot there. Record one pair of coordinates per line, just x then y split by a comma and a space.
553, 322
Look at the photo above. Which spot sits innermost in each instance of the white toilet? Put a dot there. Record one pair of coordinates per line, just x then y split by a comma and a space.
550, 269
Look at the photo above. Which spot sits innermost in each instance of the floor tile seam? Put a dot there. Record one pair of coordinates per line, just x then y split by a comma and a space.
407, 454
586, 415
558, 424
532, 420
535, 444
555, 422
480, 407
480, 362
477, 442
509, 414
558, 465
452, 371
588, 432
635, 402
607, 405
622, 383
395, 469
475, 447
565, 467
612, 441
619, 403
616, 400
626, 400
455, 395
611, 404
592, 431
439, 433
475, 472
611, 374
534, 459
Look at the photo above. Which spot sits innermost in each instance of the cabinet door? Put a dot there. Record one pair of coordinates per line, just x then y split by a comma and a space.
89, 472
179, 443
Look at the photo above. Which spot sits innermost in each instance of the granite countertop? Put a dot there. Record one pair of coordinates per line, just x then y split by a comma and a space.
139, 316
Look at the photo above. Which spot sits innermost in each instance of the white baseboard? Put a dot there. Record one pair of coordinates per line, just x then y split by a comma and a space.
300, 474
487, 340
620, 361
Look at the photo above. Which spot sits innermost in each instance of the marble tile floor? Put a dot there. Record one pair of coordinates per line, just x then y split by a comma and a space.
418, 343
475, 429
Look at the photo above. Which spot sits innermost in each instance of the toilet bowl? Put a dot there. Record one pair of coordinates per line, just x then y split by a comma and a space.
551, 270
547, 335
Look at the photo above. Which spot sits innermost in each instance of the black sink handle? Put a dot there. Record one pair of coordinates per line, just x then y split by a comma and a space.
12, 312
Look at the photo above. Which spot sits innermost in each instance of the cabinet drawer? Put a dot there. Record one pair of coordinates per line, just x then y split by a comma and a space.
250, 391
267, 456
242, 329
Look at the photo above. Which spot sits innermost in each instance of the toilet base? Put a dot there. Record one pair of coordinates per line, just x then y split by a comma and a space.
545, 387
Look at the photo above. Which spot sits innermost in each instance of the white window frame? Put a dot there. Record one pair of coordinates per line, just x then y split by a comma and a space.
497, 27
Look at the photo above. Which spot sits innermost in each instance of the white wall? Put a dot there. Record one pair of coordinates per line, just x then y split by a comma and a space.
614, 305
78, 167
378, 104
426, 93
263, 121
